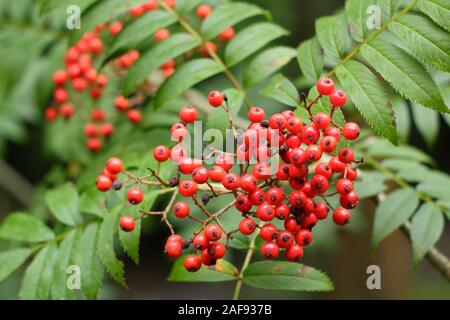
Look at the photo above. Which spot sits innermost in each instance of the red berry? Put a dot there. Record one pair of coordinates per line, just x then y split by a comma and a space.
187, 165
291, 225
265, 212
256, 197
349, 201
346, 155
51, 113
319, 184
122, 104
297, 198
341, 216
294, 253
200, 242
350, 173
268, 232
94, 145
274, 196
321, 121
227, 34
207, 260
283, 172
324, 170
243, 204
188, 188
336, 165
161, 153
325, 86
216, 173
114, 165
203, 11
59, 77
192, 263
135, 196
173, 249
181, 209
278, 122
344, 186
321, 211
309, 135
103, 183
161, 34
314, 153
309, 220
282, 211
304, 237
176, 238
285, 239
334, 132
262, 171
249, 183
294, 125
188, 114
338, 98
134, 115
215, 98
216, 250
213, 232
225, 160
256, 114
247, 226
351, 131
270, 250
115, 28
328, 144
231, 181
67, 110
207, 49
200, 175
127, 223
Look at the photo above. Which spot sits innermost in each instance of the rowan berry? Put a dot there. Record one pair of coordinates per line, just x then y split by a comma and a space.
216, 174
344, 186
321, 121
274, 196
161, 153
291, 225
321, 211
282, 211
135, 196
161, 35
325, 86
200, 242
270, 250
249, 183
114, 165
341, 216
319, 184
304, 237
215, 98
134, 115
256, 114
207, 49
188, 114
181, 209
346, 155
127, 223
174, 249
93, 145
200, 175
192, 263
247, 226
265, 212
203, 11
338, 98
294, 253
351, 131
256, 197
349, 200
103, 183
213, 232
227, 34
188, 188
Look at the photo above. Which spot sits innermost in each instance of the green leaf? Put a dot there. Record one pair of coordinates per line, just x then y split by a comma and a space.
381, 149
323, 105
222, 271
186, 77
369, 98
132, 35
218, 118
402, 118
356, 11
392, 213
281, 275
39, 274
227, 15
388, 8
404, 73
283, 90
186, 6
64, 260
407, 169
152, 59
24, 227
370, 184
425, 40
90, 265
94, 202
436, 186
11, 260
250, 40
267, 63
105, 248
426, 229
427, 122
310, 58
438, 10
333, 36
63, 204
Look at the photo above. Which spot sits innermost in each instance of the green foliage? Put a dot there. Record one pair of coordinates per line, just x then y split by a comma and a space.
63, 203
281, 275
223, 271
26, 228
345, 39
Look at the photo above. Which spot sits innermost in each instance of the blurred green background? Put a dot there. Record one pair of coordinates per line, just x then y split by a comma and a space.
343, 254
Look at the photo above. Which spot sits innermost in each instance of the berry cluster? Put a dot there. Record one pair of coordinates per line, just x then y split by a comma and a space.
80, 74
283, 202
